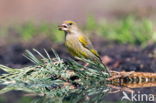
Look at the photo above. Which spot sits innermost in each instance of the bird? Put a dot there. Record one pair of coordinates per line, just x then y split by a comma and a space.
77, 43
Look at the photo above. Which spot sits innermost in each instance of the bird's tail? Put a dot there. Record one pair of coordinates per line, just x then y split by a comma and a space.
107, 69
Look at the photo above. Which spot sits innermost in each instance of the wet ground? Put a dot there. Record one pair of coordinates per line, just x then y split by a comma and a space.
117, 56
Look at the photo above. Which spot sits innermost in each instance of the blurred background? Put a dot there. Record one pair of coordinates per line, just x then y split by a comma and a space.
58, 10
123, 31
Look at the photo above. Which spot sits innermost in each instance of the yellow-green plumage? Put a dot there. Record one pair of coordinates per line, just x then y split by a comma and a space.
78, 43
80, 46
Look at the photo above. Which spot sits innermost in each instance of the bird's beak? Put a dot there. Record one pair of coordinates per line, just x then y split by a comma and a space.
62, 27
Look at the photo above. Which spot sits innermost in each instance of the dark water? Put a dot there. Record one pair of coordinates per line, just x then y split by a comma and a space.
93, 95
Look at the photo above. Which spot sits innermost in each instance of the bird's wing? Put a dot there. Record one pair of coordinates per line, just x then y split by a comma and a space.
84, 40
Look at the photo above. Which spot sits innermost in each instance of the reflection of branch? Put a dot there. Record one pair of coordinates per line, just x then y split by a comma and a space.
133, 79
33, 94
119, 89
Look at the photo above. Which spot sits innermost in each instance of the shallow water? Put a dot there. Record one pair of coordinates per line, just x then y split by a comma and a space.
91, 95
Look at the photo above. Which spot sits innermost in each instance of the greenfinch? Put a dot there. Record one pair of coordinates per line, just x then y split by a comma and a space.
77, 43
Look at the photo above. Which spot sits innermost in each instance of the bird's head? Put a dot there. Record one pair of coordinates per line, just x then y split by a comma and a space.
68, 26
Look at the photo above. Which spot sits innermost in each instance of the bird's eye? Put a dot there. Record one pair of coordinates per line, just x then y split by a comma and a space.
70, 23
65, 26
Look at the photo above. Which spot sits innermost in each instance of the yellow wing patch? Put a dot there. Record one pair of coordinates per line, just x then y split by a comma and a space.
86, 43
83, 40
84, 54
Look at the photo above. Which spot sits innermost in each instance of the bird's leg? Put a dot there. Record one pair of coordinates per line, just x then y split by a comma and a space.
86, 64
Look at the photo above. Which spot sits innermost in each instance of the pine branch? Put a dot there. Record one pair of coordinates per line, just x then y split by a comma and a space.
53, 76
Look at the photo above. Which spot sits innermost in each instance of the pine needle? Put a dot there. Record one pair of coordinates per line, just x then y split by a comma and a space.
53, 76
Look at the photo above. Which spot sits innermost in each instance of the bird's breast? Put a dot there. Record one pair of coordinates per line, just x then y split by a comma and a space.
72, 43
